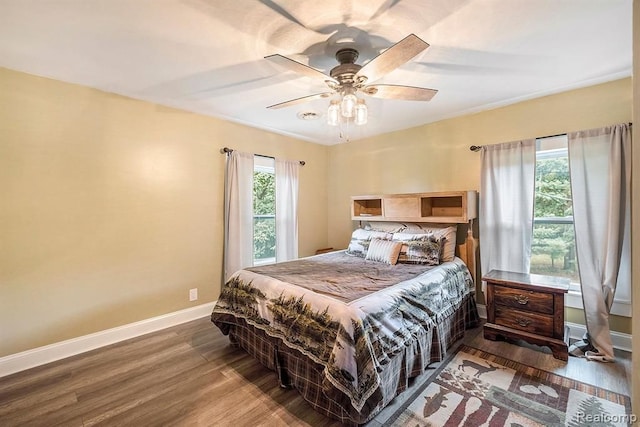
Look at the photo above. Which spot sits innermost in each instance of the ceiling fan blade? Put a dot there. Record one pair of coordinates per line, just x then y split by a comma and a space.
409, 93
300, 100
298, 67
392, 58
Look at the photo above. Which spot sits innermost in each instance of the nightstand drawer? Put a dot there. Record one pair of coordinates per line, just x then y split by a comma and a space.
538, 302
534, 323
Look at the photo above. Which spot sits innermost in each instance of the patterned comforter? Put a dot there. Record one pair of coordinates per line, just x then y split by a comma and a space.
350, 315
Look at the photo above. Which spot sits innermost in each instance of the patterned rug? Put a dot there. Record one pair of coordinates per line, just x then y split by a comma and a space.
476, 389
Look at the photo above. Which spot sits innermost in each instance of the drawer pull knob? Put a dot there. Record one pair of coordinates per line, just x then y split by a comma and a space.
523, 322
521, 299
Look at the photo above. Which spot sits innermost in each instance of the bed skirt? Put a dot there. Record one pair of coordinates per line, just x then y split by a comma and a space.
295, 370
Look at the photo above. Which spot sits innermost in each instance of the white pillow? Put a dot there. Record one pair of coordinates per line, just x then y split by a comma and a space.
388, 227
385, 251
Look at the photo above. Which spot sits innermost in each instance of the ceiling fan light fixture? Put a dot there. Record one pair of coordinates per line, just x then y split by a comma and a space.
361, 113
348, 103
333, 113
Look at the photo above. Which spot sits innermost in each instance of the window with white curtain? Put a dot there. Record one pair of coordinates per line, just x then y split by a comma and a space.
260, 211
553, 248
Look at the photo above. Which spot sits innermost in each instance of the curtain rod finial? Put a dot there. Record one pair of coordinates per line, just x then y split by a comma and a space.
475, 148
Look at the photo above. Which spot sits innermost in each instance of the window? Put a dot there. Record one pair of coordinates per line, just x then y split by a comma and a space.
554, 244
264, 210
553, 249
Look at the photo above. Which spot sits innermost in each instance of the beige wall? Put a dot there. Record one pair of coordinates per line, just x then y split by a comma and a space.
111, 208
436, 157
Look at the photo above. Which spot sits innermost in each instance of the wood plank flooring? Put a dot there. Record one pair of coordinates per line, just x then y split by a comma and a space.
189, 375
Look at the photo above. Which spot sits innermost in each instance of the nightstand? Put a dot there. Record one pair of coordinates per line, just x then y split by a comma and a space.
529, 307
325, 250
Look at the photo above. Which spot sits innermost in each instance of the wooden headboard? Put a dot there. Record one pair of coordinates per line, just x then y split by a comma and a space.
446, 207
467, 250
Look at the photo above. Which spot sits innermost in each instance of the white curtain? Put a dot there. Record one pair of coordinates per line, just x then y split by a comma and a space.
287, 172
506, 205
600, 167
238, 213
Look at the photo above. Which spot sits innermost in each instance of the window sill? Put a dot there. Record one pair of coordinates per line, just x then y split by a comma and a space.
263, 261
573, 299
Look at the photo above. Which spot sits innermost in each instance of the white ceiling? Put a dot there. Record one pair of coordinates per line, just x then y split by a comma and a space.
207, 56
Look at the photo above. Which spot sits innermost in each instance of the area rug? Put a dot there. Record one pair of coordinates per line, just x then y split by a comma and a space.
476, 388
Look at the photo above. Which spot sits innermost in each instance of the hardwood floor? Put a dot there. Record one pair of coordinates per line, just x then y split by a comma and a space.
188, 375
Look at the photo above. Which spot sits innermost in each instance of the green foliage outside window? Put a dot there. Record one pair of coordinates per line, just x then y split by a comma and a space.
553, 247
264, 210
553, 188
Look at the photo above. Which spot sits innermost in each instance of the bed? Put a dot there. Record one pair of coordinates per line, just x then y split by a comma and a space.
349, 329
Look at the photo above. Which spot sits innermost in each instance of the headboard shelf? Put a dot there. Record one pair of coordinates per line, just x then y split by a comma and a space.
440, 207
367, 207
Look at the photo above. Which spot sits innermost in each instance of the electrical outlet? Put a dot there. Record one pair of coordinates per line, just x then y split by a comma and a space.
193, 294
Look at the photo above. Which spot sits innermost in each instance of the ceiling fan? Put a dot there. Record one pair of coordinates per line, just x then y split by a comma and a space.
349, 78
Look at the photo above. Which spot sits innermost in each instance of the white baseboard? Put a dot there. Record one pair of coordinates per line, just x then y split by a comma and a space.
576, 331
620, 341
39, 356
482, 311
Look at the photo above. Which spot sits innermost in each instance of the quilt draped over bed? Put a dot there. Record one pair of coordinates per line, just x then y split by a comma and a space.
347, 314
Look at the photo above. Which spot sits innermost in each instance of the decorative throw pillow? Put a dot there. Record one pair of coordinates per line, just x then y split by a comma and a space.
360, 239
419, 248
448, 233
385, 251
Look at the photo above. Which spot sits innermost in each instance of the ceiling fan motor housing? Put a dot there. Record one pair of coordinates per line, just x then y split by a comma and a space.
347, 55
345, 72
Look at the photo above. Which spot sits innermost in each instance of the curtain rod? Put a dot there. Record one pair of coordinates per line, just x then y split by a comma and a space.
479, 147
227, 150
